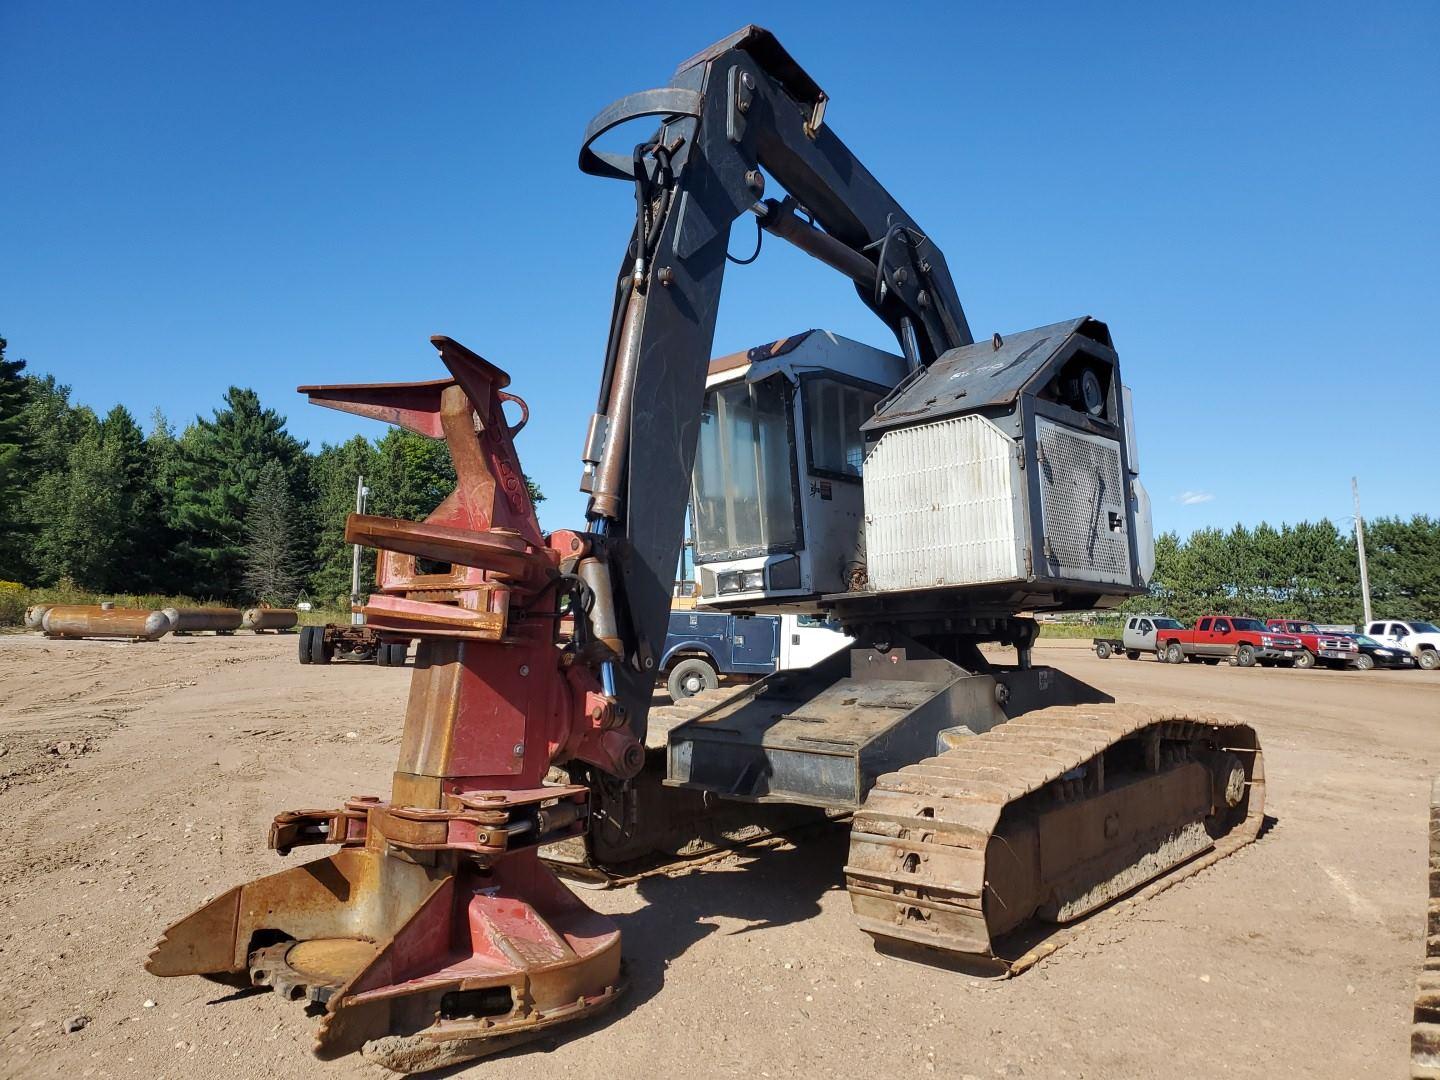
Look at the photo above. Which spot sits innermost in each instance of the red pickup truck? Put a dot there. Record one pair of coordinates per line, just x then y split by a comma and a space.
1221, 637
1332, 650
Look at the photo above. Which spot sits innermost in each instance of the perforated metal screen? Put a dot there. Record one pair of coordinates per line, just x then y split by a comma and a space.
1082, 500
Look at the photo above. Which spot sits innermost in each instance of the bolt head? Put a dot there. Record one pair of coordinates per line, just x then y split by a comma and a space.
518, 749
524, 670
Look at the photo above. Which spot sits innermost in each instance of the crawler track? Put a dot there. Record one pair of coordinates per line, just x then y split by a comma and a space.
969, 858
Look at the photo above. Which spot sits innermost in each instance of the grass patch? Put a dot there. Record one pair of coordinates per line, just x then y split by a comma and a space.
1106, 628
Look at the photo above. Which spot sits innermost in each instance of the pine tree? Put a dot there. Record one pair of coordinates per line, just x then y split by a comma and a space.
334, 472
1404, 559
221, 463
14, 396
138, 554
77, 512
272, 555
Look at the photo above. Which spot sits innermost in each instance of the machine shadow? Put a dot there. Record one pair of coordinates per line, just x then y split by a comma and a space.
761, 888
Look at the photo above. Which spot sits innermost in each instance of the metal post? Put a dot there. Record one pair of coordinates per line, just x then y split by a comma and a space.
361, 491
1360, 547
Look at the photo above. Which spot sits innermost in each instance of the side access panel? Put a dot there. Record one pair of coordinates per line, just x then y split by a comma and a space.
821, 736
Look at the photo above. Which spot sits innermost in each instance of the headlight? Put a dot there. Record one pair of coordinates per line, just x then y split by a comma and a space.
735, 581
1266, 640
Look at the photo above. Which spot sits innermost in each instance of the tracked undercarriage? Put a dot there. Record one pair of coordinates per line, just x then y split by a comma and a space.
1044, 820
978, 855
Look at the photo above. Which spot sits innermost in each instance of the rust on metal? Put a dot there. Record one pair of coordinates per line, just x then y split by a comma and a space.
105, 621
434, 934
260, 619
194, 620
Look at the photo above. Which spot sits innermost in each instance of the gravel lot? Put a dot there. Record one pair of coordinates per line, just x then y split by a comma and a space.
137, 779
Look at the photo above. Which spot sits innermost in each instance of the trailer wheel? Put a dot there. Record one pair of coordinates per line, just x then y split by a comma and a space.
1102, 650
320, 650
306, 633
382, 654
398, 651
690, 677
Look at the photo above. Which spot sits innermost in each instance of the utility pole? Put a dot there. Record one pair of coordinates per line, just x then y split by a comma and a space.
361, 492
1360, 547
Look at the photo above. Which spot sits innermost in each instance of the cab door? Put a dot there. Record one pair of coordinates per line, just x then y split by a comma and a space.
1399, 635
808, 639
1222, 639
1204, 637
1139, 635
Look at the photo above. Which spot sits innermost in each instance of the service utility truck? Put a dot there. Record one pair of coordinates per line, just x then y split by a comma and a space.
701, 646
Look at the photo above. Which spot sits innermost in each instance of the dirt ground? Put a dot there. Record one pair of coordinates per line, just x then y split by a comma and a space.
137, 780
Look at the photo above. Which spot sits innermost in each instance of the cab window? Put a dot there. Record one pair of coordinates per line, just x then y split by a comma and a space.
1145, 626
1221, 626
1375, 628
827, 622
1204, 624
834, 411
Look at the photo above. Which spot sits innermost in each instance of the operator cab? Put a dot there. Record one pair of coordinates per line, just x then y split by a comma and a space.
776, 501
1005, 473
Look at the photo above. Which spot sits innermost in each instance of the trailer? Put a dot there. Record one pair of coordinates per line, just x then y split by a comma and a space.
1106, 647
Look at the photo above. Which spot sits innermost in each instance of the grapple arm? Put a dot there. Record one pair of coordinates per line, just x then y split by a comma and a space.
732, 114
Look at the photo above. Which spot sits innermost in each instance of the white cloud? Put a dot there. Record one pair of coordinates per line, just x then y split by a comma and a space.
1194, 498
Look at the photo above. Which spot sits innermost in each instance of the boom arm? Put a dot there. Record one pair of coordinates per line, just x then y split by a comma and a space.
739, 107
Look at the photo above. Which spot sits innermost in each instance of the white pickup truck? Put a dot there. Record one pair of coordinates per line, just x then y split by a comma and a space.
1139, 636
1420, 639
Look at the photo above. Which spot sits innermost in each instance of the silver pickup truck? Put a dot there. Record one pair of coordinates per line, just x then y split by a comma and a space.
1139, 636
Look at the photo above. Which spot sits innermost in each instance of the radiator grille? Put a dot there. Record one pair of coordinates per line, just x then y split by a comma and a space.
1082, 500
941, 506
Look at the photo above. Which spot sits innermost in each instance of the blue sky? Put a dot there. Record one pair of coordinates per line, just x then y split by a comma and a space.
268, 194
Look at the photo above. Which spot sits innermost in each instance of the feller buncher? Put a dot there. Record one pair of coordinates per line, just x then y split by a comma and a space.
927, 500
